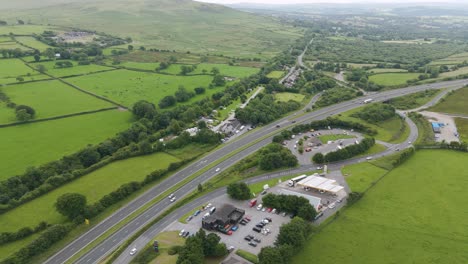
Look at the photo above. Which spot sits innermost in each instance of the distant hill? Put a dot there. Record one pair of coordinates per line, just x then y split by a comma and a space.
166, 24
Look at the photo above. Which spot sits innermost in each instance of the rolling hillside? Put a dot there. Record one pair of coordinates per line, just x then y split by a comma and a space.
164, 24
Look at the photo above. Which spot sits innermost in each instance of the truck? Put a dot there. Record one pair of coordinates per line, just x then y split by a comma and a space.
253, 202
293, 181
368, 100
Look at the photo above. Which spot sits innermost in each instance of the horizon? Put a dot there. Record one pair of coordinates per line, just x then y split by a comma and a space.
293, 2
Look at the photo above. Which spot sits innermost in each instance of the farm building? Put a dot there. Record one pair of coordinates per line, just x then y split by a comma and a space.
226, 215
436, 127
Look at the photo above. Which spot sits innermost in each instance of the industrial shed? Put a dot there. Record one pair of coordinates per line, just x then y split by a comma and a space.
321, 184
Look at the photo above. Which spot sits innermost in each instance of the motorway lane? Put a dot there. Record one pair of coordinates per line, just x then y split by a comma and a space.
209, 159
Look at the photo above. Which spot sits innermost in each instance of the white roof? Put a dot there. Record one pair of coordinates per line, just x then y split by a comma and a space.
321, 183
315, 201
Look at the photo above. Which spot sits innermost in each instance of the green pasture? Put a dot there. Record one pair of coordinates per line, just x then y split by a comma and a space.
6, 114
75, 70
12, 45
93, 185
33, 43
224, 69
361, 65
414, 100
388, 131
325, 138
454, 103
25, 29
452, 60
415, 214
151, 66
462, 128
34, 144
361, 176
460, 71
5, 39
385, 70
127, 87
285, 97
392, 79
53, 98
10, 69
275, 74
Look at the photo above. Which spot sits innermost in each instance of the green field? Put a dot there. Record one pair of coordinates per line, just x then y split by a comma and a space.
7, 115
127, 87
416, 214
75, 70
454, 103
151, 66
52, 98
388, 131
360, 176
414, 100
276, 74
285, 97
452, 60
325, 138
385, 70
33, 43
26, 29
35, 144
12, 68
462, 128
93, 185
460, 71
13, 45
224, 69
392, 79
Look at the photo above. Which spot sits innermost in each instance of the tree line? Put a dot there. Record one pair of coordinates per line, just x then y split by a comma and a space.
199, 246
375, 113
345, 153
296, 205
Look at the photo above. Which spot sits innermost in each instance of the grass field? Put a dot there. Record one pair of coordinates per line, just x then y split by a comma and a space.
360, 176
284, 97
6, 114
392, 79
12, 68
414, 100
462, 128
33, 43
388, 131
26, 29
455, 73
13, 45
452, 60
276, 74
167, 240
454, 103
75, 70
52, 98
127, 87
224, 69
380, 70
35, 144
414, 215
151, 66
325, 138
94, 186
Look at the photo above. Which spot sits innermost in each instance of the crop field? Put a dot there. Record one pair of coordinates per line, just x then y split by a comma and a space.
452, 60
276, 74
33, 43
378, 70
454, 103
462, 128
12, 68
127, 87
224, 69
75, 70
93, 185
53, 98
388, 131
413, 215
285, 97
37, 143
392, 79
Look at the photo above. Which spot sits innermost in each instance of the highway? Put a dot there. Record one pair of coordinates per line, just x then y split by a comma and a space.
112, 242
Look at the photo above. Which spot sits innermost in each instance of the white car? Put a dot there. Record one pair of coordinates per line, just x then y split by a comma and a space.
172, 199
170, 196
368, 158
409, 142
331, 206
218, 169
133, 251
259, 207
181, 232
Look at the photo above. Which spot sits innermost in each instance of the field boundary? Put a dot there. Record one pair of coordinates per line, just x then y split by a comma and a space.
58, 117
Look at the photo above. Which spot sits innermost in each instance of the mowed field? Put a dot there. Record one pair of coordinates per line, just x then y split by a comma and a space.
454, 103
391, 79
416, 214
285, 97
10, 69
462, 128
75, 70
34, 144
224, 69
127, 87
452, 60
33, 43
52, 98
149, 66
275, 74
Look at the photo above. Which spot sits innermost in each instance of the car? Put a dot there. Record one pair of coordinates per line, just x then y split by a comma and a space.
189, 218
284, 214
368, 158
251, 237
339, 200
242, 222
274, 211
229, 233
269, 219
263, 209
331, 206
397, 149
292, 216
264, 221
260, 225
234, 228
173, 199
308, 149
170, 196
181, 232
133, 251
318, 215
231, 248
197, 212
409, 142
258, 240
319, 167
208, 205
247, 238
248, 217
259, 207
321, 191
277, 126
294, 121
186, 234
217, 169
257, 229
263, 192
269, 209
253, 244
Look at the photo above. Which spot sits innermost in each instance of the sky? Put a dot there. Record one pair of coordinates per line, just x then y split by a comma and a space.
326, 1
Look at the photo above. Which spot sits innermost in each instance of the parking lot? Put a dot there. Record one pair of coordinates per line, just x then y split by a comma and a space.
312, 143
237, 238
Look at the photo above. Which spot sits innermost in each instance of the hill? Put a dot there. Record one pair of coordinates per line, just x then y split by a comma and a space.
182, 25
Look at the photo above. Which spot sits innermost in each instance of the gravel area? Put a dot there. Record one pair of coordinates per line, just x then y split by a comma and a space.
448, 132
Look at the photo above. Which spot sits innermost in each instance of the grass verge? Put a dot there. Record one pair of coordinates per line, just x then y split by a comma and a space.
247, 255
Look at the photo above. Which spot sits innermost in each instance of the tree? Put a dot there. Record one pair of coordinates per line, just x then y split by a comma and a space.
130, 47
182, 95
306, 212
41, 68
29, 110
200, 187
199, 90
218, 80
89, 156
22, 115
214, 71
142, 48
37, 57
144, 109
238, 191
167, 101
20, 79
270, 255
49, 53
71, 205
318, 158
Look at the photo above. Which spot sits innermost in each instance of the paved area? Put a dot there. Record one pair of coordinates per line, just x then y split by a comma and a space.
449, 131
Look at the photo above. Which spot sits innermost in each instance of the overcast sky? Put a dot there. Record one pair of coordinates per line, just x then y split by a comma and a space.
327, 1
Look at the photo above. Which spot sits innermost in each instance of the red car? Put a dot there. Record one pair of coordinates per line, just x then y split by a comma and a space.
248, 217
269, 210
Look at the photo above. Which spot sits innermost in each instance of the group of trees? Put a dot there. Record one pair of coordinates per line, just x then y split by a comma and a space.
296, 205
199, 246
7, 237
291, 239
239, 191
181, 95
375, 113
264, 109
274, 156
336, 95
24, 113
63, 64
345, 153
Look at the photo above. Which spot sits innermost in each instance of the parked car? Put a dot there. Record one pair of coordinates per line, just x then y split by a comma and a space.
242, 222
248, 217
318, 215
284, 214
231, 248
263, 192
263, 209
186, 234
259, 207
217, 169
197, 212
258, 240
234, 228
170, 196
260, 225
368, 158
181, 232
269, 219
269, 209
253, 244
247, 238
189, 218
256, 229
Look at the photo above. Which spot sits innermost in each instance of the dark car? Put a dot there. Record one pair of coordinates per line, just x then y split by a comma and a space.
269, 219
253, 244
257, 229
196, 213
258, 240
247, 238
278, 126
318, 215
260, 225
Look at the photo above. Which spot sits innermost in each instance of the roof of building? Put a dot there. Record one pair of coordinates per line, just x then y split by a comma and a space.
225, 213
320, 183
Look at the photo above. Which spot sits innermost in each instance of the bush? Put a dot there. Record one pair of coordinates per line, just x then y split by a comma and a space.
375, 113
238, 191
